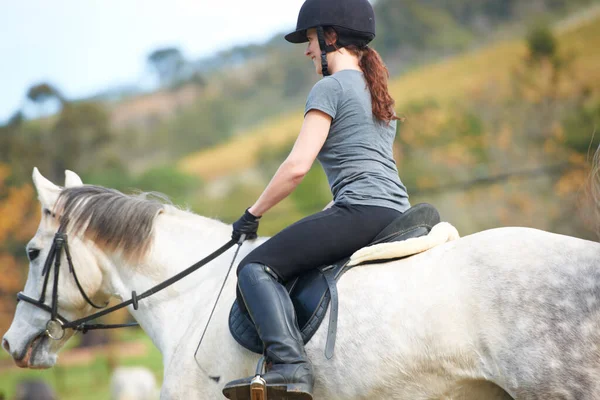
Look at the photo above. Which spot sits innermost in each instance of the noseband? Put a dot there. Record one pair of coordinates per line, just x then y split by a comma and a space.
56, 326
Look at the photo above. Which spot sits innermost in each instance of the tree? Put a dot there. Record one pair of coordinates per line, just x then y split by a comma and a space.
79, 137
168, 63
16, 119
47, 98
541, 43
20, 215
42, 92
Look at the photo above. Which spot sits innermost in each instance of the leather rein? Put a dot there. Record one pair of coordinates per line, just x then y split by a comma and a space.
56, 326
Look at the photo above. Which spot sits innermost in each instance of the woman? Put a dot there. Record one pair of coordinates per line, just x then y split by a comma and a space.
349, 125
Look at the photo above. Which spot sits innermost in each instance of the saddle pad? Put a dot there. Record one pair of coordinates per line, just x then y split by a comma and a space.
441, 233
311, 292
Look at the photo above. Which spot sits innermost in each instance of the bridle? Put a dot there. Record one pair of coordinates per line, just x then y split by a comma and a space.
57, 324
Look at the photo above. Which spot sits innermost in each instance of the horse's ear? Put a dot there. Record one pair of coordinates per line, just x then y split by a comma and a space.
72, 179
47, 191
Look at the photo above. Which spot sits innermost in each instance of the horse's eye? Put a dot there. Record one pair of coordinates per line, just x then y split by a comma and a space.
32, 254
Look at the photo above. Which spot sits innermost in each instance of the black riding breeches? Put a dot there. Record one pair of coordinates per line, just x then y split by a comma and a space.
321, 239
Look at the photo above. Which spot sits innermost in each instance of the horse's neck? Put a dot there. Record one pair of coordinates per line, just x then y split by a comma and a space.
180, 240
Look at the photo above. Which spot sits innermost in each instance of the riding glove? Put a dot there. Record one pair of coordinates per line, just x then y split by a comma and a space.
247, 224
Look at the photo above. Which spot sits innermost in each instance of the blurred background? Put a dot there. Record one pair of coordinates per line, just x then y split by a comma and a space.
203, 101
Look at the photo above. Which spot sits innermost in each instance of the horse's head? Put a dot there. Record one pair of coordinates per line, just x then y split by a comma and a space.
27, 340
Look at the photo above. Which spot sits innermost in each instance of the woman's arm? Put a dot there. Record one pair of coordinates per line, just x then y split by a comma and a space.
313, 133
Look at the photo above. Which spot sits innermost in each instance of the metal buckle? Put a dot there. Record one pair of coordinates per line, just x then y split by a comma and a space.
54, 329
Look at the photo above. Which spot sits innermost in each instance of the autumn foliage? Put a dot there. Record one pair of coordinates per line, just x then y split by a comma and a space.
19, 216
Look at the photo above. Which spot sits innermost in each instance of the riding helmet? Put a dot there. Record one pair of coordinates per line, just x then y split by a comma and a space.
353, 20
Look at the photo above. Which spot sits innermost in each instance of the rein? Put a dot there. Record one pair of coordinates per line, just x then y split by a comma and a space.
55, 327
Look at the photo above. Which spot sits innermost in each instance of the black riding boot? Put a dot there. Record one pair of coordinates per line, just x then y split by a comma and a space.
290, 376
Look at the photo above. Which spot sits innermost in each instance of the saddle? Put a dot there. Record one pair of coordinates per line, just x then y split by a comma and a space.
312, 292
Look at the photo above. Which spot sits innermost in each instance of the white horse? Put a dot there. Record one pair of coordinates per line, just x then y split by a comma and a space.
511, 312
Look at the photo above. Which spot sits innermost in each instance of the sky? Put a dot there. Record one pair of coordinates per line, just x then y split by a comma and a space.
85, 46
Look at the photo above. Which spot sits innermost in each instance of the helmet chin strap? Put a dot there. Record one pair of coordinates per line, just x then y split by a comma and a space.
324, 49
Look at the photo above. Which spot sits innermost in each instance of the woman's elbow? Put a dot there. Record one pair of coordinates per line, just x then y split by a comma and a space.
297, 170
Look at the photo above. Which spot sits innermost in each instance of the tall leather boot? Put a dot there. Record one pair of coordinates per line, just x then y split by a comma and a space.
290, 376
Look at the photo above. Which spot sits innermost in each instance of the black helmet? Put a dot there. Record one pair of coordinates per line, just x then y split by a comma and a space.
353, 20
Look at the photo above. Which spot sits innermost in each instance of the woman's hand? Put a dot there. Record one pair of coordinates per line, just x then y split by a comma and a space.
246, 225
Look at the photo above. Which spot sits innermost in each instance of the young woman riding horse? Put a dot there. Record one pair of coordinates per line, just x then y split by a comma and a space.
349, 126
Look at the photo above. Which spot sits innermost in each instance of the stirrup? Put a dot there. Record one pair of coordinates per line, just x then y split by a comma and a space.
259, 390
258, 386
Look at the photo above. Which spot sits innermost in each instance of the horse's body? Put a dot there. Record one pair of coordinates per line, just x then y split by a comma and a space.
511, 311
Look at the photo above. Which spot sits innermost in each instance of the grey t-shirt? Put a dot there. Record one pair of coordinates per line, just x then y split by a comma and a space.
357, 154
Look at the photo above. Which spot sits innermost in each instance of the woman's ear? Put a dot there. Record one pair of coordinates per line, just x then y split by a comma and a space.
330, 37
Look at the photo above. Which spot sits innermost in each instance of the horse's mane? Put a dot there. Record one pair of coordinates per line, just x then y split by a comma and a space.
113, 220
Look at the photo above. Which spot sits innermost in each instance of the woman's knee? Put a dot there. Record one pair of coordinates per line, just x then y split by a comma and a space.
248, 271
240, 266
251, 270
250, 258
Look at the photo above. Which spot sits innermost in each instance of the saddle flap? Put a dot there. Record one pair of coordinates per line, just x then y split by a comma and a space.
243, 330
306, 294
310, 296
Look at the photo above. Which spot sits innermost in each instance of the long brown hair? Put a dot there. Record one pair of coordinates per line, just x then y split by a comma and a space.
376, 74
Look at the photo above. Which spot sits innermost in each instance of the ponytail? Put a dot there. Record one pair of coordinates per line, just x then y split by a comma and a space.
376, 74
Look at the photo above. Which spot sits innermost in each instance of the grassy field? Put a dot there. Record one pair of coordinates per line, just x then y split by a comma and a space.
89, 377
445, 82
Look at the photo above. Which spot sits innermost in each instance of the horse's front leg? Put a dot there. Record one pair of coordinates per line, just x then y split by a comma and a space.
202, 374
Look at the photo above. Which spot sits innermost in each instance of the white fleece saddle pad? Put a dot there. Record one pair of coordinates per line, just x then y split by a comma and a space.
439, 234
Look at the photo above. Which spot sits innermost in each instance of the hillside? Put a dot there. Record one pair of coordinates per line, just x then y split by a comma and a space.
446, 82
